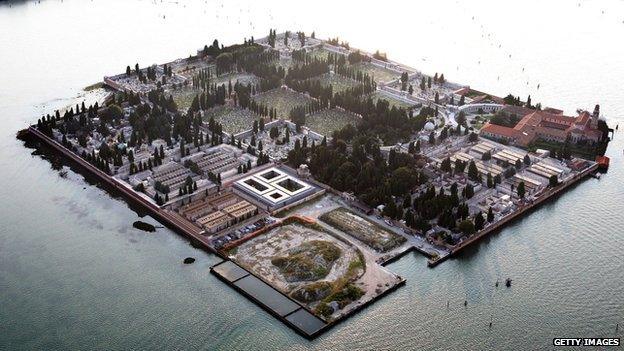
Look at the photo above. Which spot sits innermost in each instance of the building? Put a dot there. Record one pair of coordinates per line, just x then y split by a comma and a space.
215, 221
274, 188
548, 125
240, 211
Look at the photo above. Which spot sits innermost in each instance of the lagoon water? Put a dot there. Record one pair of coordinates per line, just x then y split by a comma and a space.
75, 274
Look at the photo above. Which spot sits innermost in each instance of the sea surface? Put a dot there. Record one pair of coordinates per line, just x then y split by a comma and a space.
75, 274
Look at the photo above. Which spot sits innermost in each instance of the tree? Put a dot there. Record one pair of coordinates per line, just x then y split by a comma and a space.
469, 191
114, 112
466, 226
490, 215
486, 156
432, 138
402, 180
224, 62
518, 164
521, 190
473, 172
490, 181
390, 209
274, 133
460, 166
479, 221
461, 118
527, 160
445, 166
261, 124
473, 137
553, 181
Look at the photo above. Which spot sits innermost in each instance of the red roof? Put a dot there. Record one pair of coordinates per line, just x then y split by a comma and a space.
554, 111
500, 130
582, 118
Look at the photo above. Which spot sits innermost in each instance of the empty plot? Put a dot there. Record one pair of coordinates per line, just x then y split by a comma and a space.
363, 229
305, 262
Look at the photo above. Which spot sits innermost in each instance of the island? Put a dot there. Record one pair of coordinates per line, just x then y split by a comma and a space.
308, 165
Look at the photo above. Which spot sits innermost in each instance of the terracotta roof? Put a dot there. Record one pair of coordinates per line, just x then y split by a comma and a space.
462, 91
486, 97
554, 111
520, 111
583, 118
500, 130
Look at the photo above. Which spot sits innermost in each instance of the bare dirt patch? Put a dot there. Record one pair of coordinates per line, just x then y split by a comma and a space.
366, 231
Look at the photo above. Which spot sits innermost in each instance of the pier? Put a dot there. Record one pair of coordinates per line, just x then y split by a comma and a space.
279, 305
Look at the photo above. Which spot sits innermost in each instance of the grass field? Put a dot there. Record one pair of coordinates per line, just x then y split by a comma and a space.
393, 102
283, 100
319, 53
328, 120
379, 74
339, 82
243, 78
183, 97
233, 119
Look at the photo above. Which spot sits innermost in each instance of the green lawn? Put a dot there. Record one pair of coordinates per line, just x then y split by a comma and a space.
339, 82
243, 78
329, 120
379, 74
233, 119
393, 102
183, 97
283, 100
319, 53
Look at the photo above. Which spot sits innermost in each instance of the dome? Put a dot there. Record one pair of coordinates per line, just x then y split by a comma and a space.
429, 126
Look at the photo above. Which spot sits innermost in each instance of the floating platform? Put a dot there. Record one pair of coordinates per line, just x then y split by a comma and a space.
281, 306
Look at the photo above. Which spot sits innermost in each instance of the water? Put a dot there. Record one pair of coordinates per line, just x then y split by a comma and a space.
74, 274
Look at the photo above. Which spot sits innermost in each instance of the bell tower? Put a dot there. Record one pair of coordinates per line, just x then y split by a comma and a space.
595, 116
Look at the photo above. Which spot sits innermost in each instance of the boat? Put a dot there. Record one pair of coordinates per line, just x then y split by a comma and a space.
508, 282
